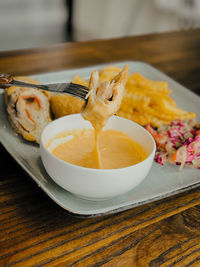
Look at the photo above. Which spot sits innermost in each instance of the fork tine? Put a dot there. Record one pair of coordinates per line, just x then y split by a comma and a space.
76, 93
77, 89
79, 86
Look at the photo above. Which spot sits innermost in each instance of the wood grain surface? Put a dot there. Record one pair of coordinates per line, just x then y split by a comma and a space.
34, 231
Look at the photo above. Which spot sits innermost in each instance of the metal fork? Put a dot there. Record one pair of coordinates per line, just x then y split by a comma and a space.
73, 89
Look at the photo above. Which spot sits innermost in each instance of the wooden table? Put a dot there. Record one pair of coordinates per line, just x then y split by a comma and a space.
35, 231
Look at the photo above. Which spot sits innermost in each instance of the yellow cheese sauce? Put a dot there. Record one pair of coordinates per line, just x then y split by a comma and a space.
115, 149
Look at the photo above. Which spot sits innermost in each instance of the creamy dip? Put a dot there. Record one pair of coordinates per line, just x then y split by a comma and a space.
115, 149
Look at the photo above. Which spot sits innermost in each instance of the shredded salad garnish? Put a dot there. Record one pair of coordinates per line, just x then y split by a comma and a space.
178, 143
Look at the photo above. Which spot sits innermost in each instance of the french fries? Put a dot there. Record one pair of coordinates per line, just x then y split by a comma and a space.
108, 73
145, 101
79, 80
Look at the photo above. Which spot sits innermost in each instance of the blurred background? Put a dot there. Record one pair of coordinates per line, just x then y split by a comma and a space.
28, 23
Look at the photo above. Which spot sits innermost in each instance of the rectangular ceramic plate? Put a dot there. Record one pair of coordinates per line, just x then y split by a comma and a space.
161, 181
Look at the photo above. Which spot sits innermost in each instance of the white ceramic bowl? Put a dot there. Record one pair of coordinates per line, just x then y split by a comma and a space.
96, 184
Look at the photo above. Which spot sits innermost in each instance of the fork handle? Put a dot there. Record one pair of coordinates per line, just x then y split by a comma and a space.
6, 79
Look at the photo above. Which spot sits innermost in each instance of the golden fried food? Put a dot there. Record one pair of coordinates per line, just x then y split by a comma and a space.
79, 80
108, 73
145, 101
62, 105
148, 101
157, 87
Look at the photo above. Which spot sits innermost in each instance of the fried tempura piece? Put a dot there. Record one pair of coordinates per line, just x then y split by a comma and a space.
62, 105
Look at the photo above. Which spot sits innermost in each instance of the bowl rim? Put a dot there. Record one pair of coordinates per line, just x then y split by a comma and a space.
42, 146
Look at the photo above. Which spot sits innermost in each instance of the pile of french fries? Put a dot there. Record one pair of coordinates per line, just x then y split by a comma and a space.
145, 101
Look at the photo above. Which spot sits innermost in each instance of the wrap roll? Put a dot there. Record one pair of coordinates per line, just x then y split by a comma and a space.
28, 109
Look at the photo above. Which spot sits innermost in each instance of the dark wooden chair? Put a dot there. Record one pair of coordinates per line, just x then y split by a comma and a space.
69, 23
